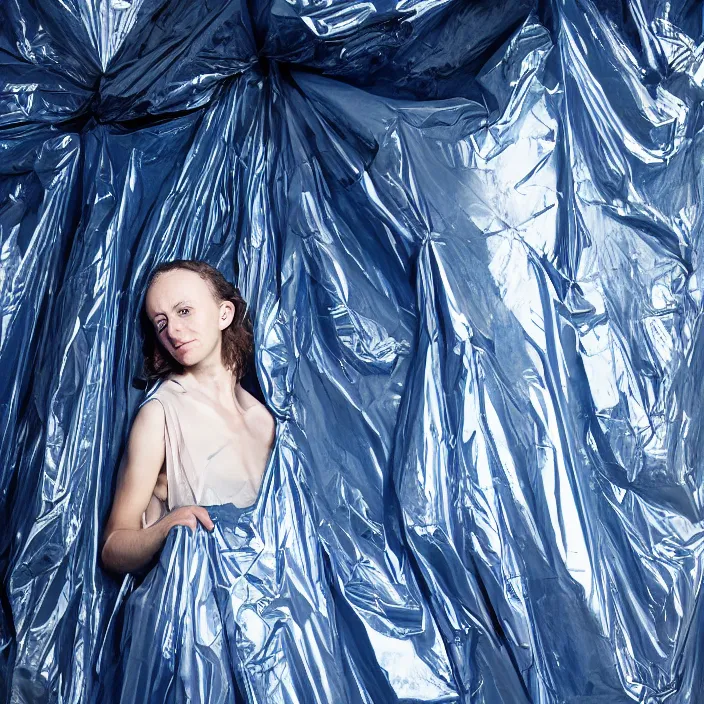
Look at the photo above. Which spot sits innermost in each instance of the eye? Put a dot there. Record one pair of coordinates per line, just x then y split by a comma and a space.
184, 309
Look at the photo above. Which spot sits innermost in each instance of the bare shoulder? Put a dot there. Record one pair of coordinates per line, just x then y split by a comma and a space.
147, 424
257, 413
250, 402
150, 416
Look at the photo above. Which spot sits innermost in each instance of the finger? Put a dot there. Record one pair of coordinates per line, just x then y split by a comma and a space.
204, 518
206, 521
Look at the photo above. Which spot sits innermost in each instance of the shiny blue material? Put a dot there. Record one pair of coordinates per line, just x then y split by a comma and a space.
470, 237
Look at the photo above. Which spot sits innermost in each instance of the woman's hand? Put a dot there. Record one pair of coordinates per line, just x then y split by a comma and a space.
129, 549
186, 516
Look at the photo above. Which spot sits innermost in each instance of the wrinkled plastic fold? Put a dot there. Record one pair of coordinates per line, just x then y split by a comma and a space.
469, 235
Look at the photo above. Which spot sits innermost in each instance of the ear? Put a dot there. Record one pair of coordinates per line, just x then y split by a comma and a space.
227, 314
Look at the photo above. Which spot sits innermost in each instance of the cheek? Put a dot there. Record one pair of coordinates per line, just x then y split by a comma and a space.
202, 326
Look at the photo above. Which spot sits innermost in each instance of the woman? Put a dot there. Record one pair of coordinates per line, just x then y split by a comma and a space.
206, 441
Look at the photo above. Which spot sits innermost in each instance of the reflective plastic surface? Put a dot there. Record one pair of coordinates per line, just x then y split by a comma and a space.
469, 235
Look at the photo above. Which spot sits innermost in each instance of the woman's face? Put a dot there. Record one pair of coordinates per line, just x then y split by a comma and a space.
187, 319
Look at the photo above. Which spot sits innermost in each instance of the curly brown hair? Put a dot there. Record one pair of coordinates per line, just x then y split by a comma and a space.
237, 338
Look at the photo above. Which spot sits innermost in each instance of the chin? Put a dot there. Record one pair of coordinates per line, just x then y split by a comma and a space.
190, 360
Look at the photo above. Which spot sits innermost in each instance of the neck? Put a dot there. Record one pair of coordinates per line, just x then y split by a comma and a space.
215, 381
211, 378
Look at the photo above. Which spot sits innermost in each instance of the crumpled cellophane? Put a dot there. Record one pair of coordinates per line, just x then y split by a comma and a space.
469, 234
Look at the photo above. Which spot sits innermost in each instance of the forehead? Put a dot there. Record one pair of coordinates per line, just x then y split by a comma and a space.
174, 286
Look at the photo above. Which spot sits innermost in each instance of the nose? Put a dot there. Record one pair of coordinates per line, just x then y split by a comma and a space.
173, 330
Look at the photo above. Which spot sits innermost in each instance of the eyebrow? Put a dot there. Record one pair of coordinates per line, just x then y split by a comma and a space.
180, 303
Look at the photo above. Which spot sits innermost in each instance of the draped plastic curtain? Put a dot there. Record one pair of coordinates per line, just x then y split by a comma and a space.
470, 236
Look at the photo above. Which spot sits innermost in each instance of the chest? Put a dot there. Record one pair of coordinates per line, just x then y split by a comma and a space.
215, 434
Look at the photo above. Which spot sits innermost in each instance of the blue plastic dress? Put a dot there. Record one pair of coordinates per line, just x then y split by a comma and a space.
469, 233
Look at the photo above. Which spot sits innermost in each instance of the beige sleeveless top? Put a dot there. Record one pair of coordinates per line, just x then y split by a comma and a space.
203, 464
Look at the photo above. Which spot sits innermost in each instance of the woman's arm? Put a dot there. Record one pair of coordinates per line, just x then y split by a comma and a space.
127, 546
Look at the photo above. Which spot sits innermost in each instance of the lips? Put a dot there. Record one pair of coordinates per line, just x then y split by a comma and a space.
178, 347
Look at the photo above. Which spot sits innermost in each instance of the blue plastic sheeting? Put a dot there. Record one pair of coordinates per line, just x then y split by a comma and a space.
470, 236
